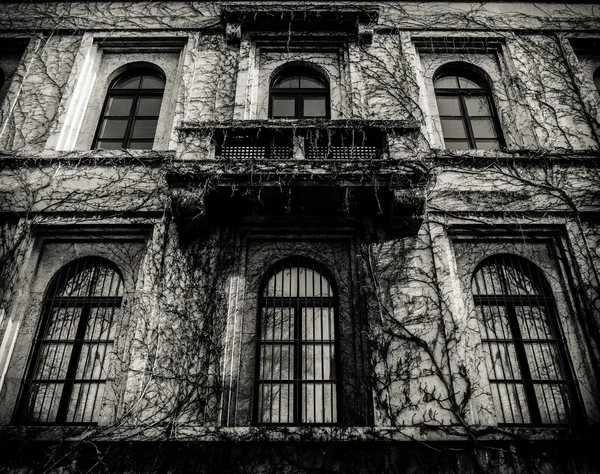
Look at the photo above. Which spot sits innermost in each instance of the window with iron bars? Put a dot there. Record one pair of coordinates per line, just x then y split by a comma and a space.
297, 361
528, 365
67, 370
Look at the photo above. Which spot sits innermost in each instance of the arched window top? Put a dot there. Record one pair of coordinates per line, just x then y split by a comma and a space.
299, 79
466, 109
131, 110
86, 278
299, 92
143, 78
298, 277
509, 275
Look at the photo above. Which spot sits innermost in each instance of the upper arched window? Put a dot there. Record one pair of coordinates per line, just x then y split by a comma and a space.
131, 111
68, 367
296, 355
597, 79
525, 353
466, 110
299, 93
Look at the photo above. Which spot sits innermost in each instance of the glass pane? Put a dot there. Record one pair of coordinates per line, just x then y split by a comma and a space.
283, 283
501, 361
533, 321
288, 83
93, 361
315, 107
106, 145
284, 107
275, 403
510, 402
84, 402
478, 106
62, 324
483, 128
276, 362
318, 362
144, 128
544, 361
277, 324
448, 106
129, 82
53, 361
119, 106
487, 144
457, 144
553, 400
149, 106
100, 323
42, 404
468, 83
113, 128
312, 283
319, 403
317, 324
446, 82
141, 145
151, 82
311, 83
493, 322
453, 128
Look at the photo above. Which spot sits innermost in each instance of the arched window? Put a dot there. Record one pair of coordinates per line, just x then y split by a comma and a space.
131, 111
466, 111
597, 79
296, 356
525, 353
71, 353
299, 93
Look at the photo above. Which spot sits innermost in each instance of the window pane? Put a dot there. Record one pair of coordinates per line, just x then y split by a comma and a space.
275, 403
53, 361
553, 400
511, 405
314, 107
93, 361
119, 106
288, 83
277, 324
144, 128
533, 322
483, 144
151, 82
483, 128
493, 321
468, 83
453, 128
544, 361
113, 128
312, 283
310, 83
319, 403
149, 106
277, 362
457, 144
447, 82
106, 145
448, 106
478, 106
83, 404
141, 145
42, 402
318, 362
317, 324
284, 107
501, 361
130, 82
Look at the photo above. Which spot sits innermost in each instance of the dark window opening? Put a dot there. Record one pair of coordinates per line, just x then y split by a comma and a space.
67, 372
525, 352
299, 94
297, 351
131, 110
466, 111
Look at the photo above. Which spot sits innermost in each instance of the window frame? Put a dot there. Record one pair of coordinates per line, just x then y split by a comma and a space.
546, 300
297, 303
484, 91
299, 93
85, 303
136, 94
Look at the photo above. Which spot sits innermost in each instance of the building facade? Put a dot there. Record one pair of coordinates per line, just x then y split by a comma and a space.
294, 236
